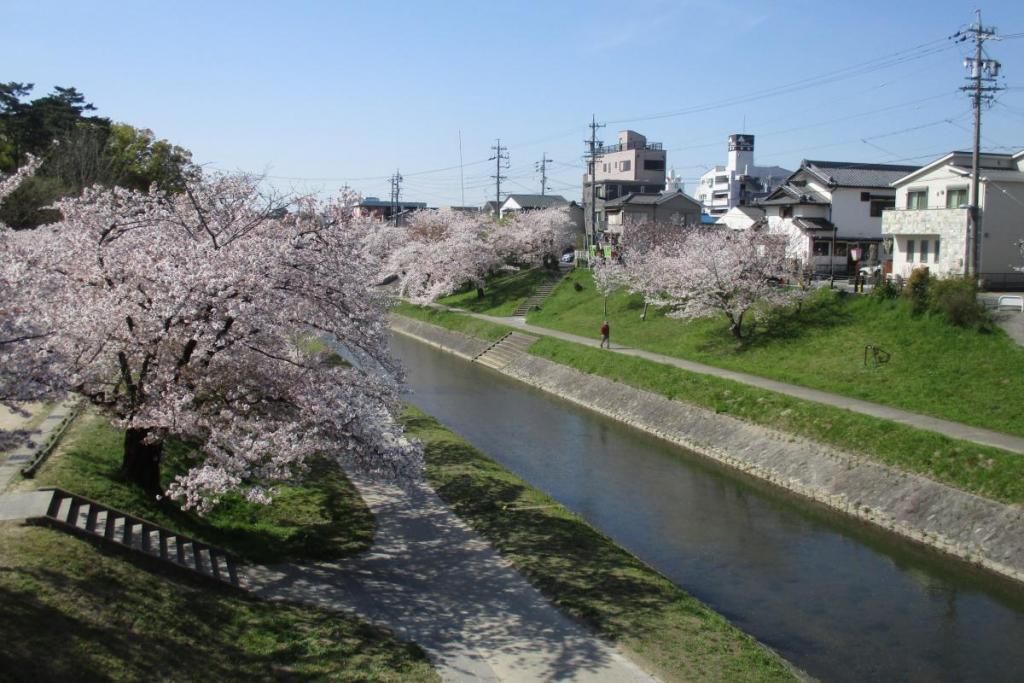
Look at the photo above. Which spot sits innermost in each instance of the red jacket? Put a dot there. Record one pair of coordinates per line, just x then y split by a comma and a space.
604, 330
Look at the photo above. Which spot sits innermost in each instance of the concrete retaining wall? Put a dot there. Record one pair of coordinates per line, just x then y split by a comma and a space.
984, 532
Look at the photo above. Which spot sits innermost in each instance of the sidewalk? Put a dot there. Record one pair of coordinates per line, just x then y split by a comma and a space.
434, 581
954, 430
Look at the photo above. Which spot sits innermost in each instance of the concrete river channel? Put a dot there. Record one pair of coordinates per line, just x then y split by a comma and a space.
839, 600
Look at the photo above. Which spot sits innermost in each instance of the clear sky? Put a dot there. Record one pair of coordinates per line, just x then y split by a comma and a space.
320, 94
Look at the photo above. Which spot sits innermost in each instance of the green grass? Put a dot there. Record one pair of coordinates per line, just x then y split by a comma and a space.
986, 471
502, 295
481, 329
937, 369
323, 518
586, 573
983, 470
72, 612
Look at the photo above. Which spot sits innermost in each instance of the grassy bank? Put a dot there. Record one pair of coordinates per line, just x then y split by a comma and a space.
502, 295
985, 471
324, 518
936, 368
69, 611
481, 329
585, 572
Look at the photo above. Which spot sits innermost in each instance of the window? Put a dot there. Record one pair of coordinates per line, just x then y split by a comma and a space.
786, 211
880, 205
917, 199
841, 249
719, 179
654, 164
910, 251
935, 256
924, 251
821, 247
606, 168
956, 197
865, 196
625, 165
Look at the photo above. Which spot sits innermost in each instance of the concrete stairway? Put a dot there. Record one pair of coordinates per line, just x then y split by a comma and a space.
543, 291
502, 352
82, 516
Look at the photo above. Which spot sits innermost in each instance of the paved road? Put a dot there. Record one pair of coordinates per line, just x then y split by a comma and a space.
951, 429
433, 580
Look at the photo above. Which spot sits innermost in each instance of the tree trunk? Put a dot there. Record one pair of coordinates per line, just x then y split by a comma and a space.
643, 316
736, 326
141, 462
479, 292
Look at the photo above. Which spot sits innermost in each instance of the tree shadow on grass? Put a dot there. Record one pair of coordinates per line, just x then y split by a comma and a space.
323, 518
90, 626
584, 571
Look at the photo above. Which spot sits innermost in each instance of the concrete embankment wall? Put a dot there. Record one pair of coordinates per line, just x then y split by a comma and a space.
981, 531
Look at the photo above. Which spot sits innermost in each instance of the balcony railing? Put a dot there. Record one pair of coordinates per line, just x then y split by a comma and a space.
625, 146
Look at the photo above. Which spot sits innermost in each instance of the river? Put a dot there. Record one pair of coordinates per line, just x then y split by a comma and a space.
838, 599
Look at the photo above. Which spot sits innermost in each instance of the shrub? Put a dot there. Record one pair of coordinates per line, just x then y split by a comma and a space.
885, 290
917, 290
956, 298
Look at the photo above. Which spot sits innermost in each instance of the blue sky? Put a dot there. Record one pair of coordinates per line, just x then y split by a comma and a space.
320, 94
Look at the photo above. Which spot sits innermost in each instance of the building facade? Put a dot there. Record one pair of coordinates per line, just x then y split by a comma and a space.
668, 207
828, 207
631, 166
740, 182
929, 224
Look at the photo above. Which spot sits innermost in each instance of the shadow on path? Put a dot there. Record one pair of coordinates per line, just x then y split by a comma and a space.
434, 581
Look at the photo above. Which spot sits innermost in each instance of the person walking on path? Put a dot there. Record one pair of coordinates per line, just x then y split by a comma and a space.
605, 331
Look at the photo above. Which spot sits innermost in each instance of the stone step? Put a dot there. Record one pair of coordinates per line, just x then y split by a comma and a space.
79, 513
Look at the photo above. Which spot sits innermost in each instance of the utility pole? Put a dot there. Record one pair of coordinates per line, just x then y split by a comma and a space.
593, 144
981, 86
396, 193
500, 160
542, 166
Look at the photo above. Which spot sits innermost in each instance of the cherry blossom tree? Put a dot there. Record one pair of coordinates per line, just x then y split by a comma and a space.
535, 237
188, 316
719, 271
24, 365
443, 251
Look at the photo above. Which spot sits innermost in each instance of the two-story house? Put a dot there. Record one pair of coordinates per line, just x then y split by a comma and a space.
828, 207
929, 225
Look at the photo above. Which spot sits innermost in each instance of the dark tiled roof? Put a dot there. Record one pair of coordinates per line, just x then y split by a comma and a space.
648, 199
852, 174
786, 195
813, 224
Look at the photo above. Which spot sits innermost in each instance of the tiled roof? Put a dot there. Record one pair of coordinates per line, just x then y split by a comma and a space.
648, 199
852, 174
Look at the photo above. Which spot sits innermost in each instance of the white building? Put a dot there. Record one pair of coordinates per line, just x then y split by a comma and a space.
928, 226
826, 203
740, 182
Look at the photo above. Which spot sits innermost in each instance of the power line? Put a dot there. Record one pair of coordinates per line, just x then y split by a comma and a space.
870, 66
593, 144
542, 166
396, 192
501, 161
981, 85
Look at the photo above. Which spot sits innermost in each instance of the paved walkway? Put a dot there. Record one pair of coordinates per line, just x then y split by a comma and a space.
434, 581
955, 430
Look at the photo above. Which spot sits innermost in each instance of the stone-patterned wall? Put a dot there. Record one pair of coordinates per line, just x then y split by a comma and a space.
949, 225
975, 529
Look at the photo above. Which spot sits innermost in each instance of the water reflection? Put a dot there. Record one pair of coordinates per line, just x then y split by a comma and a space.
839, 600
